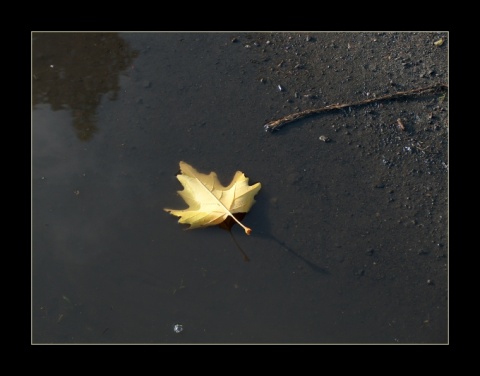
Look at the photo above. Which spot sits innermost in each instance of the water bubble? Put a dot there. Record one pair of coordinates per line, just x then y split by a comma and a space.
178, 328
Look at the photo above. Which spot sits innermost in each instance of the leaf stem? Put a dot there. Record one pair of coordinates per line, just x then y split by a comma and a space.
248, 230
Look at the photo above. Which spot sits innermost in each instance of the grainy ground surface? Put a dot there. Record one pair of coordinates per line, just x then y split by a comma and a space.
350, 237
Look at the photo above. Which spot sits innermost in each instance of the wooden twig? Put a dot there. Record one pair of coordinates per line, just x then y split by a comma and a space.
275, 125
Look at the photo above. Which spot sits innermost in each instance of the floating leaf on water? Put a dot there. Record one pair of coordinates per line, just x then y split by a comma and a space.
210, 203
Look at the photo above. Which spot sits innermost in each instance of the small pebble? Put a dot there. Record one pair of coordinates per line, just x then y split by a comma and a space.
324, 138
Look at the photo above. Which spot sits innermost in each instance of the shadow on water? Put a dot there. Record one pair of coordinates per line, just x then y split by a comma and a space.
312, 265
74, 70
265, 233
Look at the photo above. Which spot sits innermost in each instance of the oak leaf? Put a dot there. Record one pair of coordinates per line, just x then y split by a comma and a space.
210, 203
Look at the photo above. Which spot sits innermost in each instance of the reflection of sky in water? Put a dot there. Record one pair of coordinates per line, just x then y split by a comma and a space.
58, 169
52, 139
76, 191
74, 70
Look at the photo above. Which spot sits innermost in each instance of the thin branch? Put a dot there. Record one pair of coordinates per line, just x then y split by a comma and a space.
276, 124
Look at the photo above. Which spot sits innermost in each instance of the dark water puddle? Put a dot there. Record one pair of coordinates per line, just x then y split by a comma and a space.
349, 241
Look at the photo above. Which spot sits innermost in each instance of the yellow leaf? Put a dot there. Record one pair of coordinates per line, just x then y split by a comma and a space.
209, 202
